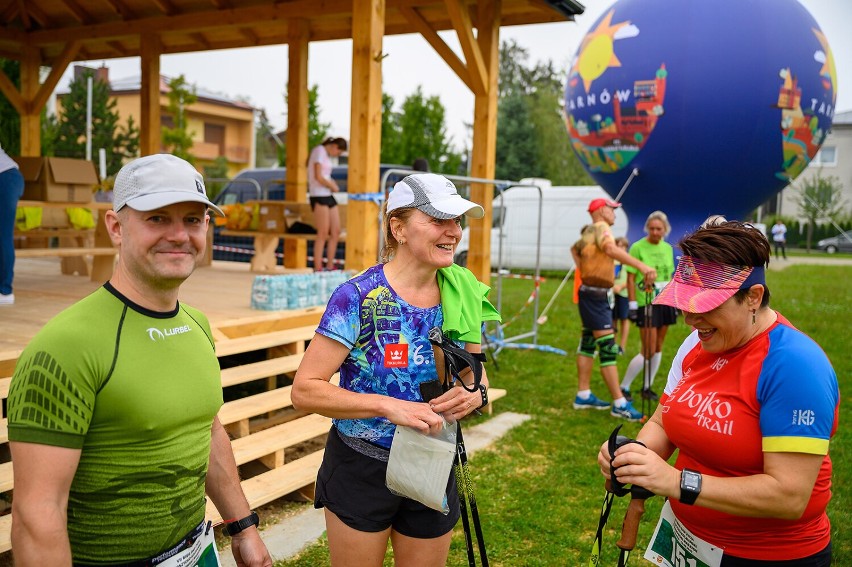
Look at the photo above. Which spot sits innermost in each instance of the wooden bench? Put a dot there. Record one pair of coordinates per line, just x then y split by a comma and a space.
63, 252
75, 245
266, 243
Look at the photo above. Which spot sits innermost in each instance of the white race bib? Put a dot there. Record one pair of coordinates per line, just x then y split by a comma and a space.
199, 553
672, 545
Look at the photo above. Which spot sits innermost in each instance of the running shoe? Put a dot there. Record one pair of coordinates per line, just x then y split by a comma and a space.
627, 412
592, 402
7, 299
627, 395
649, 394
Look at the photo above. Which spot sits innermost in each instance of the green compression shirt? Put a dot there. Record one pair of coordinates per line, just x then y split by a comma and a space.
136, 391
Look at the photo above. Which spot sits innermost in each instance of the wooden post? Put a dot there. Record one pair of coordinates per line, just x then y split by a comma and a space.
31, 118
149, 112
362, 227
485, 138
296, 188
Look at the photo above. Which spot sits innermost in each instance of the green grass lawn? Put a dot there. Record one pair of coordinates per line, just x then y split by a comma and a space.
539, 490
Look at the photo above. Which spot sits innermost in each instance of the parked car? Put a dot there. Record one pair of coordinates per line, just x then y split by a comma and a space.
840, 243
267, 184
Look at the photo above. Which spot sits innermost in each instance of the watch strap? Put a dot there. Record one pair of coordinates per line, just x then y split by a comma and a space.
483, 390
689, 492
233, 528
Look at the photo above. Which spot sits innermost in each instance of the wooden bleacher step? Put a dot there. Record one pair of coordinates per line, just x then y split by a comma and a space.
266, 340
262, 369
276, 483
284, 435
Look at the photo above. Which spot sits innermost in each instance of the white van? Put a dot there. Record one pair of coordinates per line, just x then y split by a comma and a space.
564, 212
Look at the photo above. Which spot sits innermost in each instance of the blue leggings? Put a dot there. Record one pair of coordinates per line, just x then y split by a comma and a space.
11, 189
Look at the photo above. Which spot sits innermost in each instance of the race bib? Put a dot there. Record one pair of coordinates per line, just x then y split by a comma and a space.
672, 545
197, 551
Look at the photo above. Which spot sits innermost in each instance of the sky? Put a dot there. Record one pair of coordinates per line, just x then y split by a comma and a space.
259, 74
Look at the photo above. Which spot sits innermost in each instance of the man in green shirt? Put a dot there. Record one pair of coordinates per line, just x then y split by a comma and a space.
112, 408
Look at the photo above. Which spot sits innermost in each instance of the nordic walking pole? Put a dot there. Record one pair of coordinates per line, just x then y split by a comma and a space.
468, 488
648, 351
630, 526
460, 488
542, 319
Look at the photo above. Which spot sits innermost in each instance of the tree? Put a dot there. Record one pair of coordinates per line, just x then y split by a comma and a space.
820, 198
532, 140
66, 137
267, 142
418, 130
177, 138
10, 120
317, 130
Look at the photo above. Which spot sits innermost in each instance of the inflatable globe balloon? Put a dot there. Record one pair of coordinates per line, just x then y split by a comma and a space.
699, 108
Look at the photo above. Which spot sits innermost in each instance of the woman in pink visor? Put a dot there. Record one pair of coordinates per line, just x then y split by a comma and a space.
750, 406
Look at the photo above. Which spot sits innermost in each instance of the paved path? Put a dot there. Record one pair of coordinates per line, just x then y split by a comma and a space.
815, 258
288, 537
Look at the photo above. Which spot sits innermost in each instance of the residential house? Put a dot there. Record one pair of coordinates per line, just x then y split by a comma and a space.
218, 125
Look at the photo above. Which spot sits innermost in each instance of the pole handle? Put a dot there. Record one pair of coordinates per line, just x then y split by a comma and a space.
630, 526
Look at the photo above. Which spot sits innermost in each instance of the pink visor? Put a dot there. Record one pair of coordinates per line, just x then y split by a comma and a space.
699, 286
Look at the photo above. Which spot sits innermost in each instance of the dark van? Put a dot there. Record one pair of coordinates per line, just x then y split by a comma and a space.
268, 184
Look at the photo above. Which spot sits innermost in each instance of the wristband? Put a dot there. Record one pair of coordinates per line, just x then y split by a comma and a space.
483, 389
632, 305
233, 528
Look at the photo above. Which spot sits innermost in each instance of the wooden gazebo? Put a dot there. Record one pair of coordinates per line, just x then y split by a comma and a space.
54, 33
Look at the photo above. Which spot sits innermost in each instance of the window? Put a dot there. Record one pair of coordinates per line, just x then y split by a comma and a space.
215, 134
827, 155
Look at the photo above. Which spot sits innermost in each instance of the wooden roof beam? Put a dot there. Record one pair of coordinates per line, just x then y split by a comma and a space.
221, 4
431, 36
166, 7
10, 91
201, 40
59, 65
12, 10
460, 17
196, 21
77, 11
121, 9
118, 47
36, 14
22, 10
249, 35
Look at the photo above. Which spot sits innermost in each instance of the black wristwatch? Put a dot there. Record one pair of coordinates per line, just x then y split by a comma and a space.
483, 389
233, 528
690, 486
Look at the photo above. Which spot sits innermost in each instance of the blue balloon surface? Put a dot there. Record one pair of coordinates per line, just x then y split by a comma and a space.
716, 106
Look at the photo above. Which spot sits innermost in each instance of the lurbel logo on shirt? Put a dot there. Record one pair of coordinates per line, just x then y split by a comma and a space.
160, 335
396, 355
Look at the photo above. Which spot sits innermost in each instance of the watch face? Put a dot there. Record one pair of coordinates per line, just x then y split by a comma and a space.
690, 480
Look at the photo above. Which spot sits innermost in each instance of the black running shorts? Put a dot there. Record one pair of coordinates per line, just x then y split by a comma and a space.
352, 486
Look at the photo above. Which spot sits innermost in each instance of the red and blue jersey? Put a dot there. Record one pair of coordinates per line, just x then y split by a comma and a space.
723, 411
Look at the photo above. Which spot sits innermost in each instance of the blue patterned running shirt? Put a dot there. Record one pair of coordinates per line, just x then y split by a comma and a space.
390, 353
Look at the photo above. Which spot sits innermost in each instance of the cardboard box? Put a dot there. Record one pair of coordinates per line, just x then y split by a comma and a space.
271, 217
63, 180
51, 217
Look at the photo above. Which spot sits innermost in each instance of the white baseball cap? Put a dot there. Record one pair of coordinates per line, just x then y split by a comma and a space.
157, 181
434, 195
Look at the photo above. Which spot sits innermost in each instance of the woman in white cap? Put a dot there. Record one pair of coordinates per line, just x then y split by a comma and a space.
374, 331
750, 406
